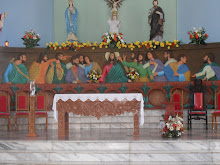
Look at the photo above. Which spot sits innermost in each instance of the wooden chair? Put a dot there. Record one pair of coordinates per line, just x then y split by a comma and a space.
5, 107
177, 98
198, 103
217, 109
22, 106
41, 107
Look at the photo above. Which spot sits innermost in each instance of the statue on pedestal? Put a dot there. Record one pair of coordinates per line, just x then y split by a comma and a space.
71, 15
156, 19
2, 17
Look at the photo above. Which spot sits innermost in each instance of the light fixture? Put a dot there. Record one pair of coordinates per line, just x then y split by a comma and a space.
6, 43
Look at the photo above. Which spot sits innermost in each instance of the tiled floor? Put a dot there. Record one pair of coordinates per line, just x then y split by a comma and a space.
110, 135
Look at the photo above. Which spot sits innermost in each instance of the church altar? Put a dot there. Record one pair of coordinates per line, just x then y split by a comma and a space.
97, 105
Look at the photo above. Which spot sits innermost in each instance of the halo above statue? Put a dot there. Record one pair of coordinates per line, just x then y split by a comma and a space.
114, 4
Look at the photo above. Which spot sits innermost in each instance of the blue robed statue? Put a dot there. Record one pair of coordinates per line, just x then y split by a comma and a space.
71, 15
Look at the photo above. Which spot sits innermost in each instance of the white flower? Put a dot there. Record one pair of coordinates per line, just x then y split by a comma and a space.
108, 40
200, 28
112, 36
194, 28
119, 37
170, 118
34, 38
171, 128
177, 128
200, 35
168, 125
122, 41
196, 31
38, 35
105, 34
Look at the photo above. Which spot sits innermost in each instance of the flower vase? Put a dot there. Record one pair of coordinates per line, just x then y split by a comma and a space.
197, 42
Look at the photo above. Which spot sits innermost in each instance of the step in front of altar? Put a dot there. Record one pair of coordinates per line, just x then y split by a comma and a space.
152, 120
110, 152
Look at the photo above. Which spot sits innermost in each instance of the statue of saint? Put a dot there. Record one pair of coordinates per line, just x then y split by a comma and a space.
114, 24
156, 19
71, 15
2, 17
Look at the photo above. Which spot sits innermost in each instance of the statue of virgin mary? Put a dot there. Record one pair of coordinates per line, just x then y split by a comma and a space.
71, 15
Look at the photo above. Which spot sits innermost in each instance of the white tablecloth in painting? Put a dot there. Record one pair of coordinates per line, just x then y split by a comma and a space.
101, 97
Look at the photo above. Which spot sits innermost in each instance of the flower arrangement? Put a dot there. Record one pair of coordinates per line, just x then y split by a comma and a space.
132, 75
94, 76
78, 45
31, 39
173, 126
113, 39
198, 36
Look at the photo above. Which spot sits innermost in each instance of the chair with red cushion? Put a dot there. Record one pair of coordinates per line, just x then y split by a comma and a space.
177, 98
198, 103
41, 107
217, 109
5, 107
22, 106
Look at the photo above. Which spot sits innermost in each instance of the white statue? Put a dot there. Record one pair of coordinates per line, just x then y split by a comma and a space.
114, 24
2, 17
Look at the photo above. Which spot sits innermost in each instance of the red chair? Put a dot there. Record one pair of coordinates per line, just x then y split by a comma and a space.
177, 98
5, 107
22, 106
198, 103
217, 109
41, 107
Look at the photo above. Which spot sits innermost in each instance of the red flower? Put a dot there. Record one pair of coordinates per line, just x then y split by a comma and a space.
197, 36
115, 39
37, 37
105, 40
165, 129
206, 35
25, 37
188, 32
194, 32
102, 36
191, 36
120, 34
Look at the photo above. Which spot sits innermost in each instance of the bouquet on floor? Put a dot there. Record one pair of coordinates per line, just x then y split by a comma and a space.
198, 36
31, 39
173, 126
132, 75
113, 39
94, 76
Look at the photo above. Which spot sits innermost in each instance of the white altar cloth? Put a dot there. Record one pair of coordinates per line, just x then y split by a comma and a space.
101, 97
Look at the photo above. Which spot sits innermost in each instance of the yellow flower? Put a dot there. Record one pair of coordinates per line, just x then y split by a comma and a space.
132, 49
162, 44
177, 46
93, 48
51, 43
158, 43
151, 46
155, 47
106, 46
55, 48
47, 44
168, 47
153, 40
150, 42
